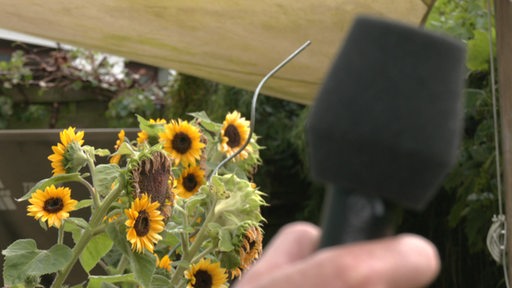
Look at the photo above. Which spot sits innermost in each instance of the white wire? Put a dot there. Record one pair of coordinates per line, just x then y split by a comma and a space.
494, 109
497, 235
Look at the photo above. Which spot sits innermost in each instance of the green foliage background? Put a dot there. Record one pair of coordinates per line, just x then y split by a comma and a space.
459, 217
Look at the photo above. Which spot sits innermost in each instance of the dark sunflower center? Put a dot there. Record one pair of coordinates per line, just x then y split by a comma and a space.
53, 205
181, 142
250, 243
233, 136
189, 182
153, 140
203, 279
141, 225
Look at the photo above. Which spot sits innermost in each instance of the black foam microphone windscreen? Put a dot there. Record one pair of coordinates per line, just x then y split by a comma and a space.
387, 122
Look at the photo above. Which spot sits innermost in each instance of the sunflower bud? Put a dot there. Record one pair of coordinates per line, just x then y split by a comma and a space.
64, 153
75, 158
237, 200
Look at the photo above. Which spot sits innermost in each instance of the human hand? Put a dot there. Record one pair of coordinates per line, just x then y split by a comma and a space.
292, 260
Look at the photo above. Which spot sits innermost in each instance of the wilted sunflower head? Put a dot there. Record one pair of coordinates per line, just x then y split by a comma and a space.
68, 156
189, 181
52, 204
206, 274
251, 247
182, 141
116, 158
234, 133
151, 175
144, 223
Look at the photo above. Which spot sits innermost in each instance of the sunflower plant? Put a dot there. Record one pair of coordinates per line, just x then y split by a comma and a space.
162, 211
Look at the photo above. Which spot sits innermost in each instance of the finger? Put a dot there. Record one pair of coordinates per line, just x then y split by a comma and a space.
405, 261
292, 243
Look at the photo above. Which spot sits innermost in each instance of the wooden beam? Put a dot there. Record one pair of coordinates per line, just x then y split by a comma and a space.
503, 16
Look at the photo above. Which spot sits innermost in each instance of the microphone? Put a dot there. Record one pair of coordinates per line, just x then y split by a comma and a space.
386, 125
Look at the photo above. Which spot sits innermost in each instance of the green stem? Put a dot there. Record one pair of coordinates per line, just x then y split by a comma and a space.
201, 236
60, 235
97, 218
184, 243
204, 253
77, 250
94, 193
121, 266
184, 234
98, 230
87, 235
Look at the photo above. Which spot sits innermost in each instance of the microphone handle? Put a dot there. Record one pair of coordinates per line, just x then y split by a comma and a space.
350, 217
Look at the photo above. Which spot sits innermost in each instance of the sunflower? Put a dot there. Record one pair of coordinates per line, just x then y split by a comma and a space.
234, 133
144, 223
164, 262
61, 157
251, 246
205, 274
143, 136
249, 250
189, 182
116, 158
52, 204
183, 141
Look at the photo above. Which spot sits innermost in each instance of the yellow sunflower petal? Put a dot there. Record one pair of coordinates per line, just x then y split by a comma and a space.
206, 271
182, 141
52, 205
142, 211
234, 133
67, 137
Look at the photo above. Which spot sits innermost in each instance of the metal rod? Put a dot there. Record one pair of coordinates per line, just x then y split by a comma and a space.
253, 107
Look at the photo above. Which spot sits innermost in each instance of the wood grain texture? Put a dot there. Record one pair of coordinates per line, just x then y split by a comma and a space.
232, 42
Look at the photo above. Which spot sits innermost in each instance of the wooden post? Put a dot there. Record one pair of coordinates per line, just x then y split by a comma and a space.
503, 14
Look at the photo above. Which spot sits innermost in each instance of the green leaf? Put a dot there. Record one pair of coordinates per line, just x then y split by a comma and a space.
197, 200
143, 265
102, 152
478, 51
230, 260
225, 240
97, 281
143, 123
75, 223
75, 226
124, 149
206, 122
201, 115
160, 281
118, 235
23, 259
83, 204
170, 240
73, 177
20, 246
104, 175
150, 128
52, 260
95, 250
